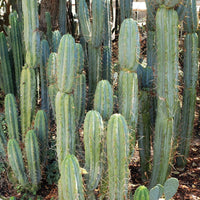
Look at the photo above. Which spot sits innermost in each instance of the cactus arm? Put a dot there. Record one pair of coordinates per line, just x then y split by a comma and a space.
56, 37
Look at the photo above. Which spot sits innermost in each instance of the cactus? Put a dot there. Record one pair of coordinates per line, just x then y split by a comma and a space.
167, 90
3, 144
49, 32
93, 34
65, 118
44, 53
189, 96
103, 99
128, 97
168, 3
107, 44
66, 63
93, 135
51, 71
156, 192
31, 32
129, 45
27, 98
5, 66
144, 133
141, 193
41, 131
56, 37
126, 9
17, 49
11, 115
79, 98
170, 188
16, 161
71, 179
79, 55
117, 156
33, 158
62, 16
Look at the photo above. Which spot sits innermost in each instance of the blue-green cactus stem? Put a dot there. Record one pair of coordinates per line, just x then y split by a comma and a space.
11, 115
33, 158
17, 49
62, 16
5, 66
16, 161
93, 135
79, 58
3, 143
31, 32
27, 98
71, 179
44, 55
41, 131
65, 119
117, 156
56, 37
126, 10
49, 28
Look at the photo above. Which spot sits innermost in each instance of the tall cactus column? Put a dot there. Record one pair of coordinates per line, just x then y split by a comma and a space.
129, 49
190, 81
167, 90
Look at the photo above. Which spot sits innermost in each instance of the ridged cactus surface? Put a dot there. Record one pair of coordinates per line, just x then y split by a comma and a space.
3, 144
27, 98
93, 135
16, 161
31, 32
33, 158
103, 99
66, 63
11, 115
141, 193
65, 119
117, 157
129, 45
56, 37
71, 179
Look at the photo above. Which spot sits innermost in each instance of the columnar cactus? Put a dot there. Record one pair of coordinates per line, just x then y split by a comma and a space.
189, 96
65, 118
93, 135
17, 49
49, 28
11, 116
117, 157
56, 37
71, 179
93, 34
66, 64
62, 16
141, 193
27, 98
31, 32
44, 55
3, 144
5, 66
103, 99
41, 131
33, 158
126, 9
167, 91
16, 161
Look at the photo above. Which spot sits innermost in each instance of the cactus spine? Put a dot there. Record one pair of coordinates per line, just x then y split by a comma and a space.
16, 161
33, 158
117, 156
141, 193
103, 99
31, 33
93, 135
5, 66
11, 115
16, 43
71, 179
41, 131
167, 90
27, 98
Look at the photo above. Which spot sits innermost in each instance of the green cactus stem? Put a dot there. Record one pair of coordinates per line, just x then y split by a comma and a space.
141, 193
33, 158
62, 16
16, 161
56, 37
117, 157
11, 116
